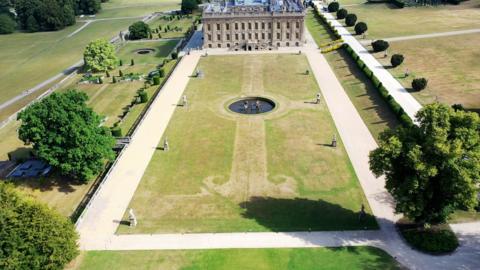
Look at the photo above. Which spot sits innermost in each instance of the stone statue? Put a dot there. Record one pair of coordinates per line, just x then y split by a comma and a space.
185, 102
165, 145
132, 218
334, 140
317, 100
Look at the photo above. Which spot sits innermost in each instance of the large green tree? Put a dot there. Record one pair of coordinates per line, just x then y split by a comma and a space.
188, 6
67, 134
7, 24
87, 6
32, 236
139, 30
44, 15
434, 168
99, 55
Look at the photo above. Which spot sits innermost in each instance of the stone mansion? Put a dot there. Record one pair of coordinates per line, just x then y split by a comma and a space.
253, 24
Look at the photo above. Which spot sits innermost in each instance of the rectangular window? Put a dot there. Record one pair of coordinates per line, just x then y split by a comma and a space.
209, 37
243, 26
297, 36
227, 26
243, 36
269, 36
288, 35
249, 26
278, 25
278, 35
228, 37
236, 26
208, 27
218, 26
256, 26
263, 35
236, 36
249, 35
297, 24
218, 37
263, 25
256, 35
269, 25
288, 25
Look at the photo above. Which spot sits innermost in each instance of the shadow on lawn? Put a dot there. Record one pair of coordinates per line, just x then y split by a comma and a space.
52, 182
379, 105
299, 214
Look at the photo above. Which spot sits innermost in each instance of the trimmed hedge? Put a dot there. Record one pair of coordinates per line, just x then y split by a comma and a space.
360, 28
436, 240
394, 106
333, 7
380, 45
342, 13
398, 3
350, 19
419, 84
396, 60
116, 132
143, 97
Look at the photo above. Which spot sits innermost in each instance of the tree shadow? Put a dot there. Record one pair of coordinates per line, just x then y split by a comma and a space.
56, 181
380, 107
301, 214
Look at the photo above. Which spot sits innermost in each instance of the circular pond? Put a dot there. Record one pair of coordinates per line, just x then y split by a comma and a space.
145, 51
252, 105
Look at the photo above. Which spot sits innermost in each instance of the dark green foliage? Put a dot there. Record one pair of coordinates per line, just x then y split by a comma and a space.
458, 107
333, 7
107, 74
67, 134
100, 80
132, 62
174, 55
188, 6
7, 24
120, 62
396, 60
87, 7
434, 168
143, 97
139, 30
350, 19
398, 3
161, 72
120, 73
432, 240
45, 15
380, 45
32, 236
116, 132
361, 28
156, 80
342, 13
114, 79
419, 84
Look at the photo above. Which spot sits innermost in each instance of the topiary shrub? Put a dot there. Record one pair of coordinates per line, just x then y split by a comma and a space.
156, 80
116, 132
361, 28
436, 240
120, 62
342, 13
380, 45
143, 97
114, 80
132, 62
333, 7
350, 19
161, 72
396, 60
120, 73
33, 236
419, 84
174, 55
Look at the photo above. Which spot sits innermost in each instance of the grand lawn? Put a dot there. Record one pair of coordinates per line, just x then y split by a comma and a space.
362, 257
384, 20
451, 65
227, 172
108, 100
372, 108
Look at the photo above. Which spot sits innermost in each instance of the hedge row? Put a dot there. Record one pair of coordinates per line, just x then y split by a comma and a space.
392, 103
325, 21
398, 3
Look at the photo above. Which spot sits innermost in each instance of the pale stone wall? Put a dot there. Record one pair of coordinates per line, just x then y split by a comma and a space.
255, 31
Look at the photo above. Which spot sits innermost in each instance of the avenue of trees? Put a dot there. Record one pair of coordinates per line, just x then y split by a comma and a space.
32, 236
67, 134
100, 55
43, 15
431, 169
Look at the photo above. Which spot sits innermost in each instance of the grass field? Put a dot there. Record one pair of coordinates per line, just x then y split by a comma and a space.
384, 20
27, 59
227, 172
239, 259
451, 65
106, 99
372, 108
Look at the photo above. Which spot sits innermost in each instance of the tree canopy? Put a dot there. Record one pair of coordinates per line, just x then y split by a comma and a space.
67, 134
7, 24
44, 15
188, 6
139, 30
434, 168
100, 55
87, 6
32, 236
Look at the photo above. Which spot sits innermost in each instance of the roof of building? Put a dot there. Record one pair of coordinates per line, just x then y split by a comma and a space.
224, 6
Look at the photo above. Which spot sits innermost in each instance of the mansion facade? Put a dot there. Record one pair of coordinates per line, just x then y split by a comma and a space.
253, 24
